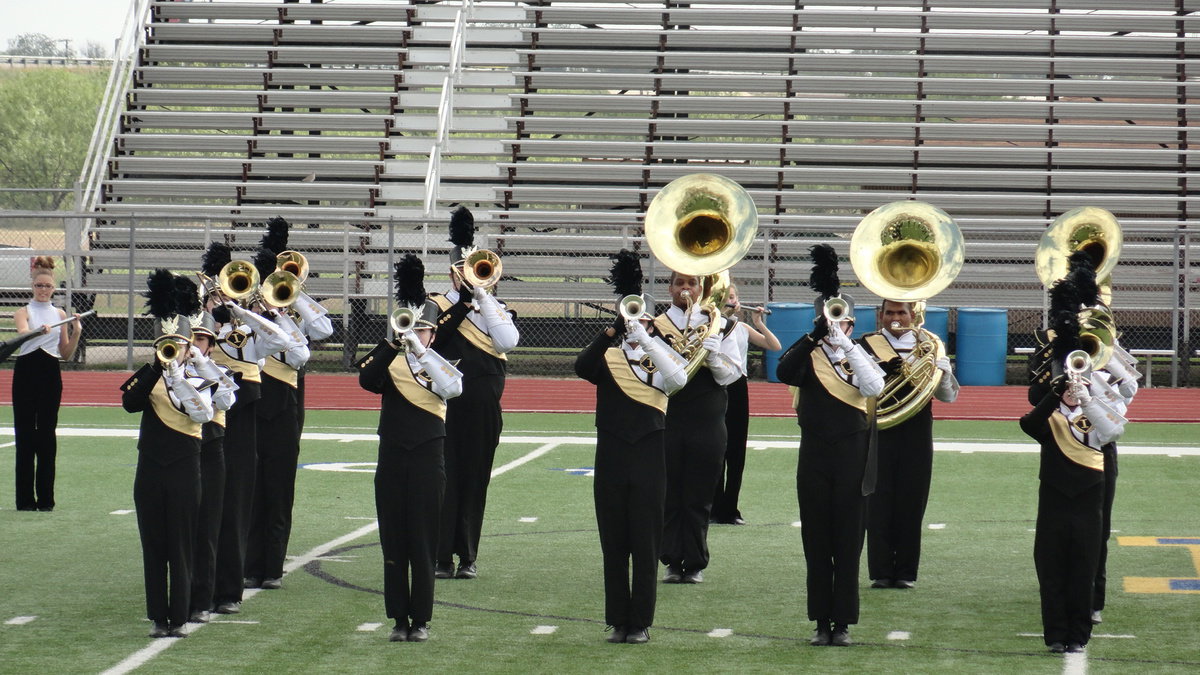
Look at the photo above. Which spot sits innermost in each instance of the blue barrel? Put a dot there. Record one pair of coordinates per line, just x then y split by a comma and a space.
864, 320
789, 321
937, 321
982, 345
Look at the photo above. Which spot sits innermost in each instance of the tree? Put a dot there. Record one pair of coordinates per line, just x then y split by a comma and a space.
46, 121
33, 44
93, 50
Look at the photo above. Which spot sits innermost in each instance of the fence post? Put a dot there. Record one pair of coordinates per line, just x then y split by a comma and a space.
130, 303
346, 347
391, 265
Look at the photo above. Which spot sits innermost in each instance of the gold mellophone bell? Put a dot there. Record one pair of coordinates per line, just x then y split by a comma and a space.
482, 268
238, 280
631, 307
168, 347
281, 288
294, 262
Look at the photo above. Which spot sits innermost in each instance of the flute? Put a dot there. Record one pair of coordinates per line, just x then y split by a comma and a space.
752, 308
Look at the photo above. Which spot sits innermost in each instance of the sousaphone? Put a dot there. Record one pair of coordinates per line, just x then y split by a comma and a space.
701, 225
908, 251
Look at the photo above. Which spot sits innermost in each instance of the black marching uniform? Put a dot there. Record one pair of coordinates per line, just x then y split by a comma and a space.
474, 421
630, 472
166, 487
410, 477
695, 446
896, 508
1070, 499
834, 441
277, 453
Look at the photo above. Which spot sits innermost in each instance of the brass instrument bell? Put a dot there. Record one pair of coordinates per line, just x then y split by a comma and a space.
280, 289
836, 310
482, 268
168, 347
403, 320
631, 307
1090, 229
238, 280
294, 262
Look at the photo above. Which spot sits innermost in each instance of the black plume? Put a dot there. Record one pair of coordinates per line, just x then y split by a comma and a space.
462, 227
1064, 296
410, 281
276, 238
160, 294
1066, 334
1080, 259
1086, 287
187, 297
264, 261
221, 314
626, 274
216, 257
824, 276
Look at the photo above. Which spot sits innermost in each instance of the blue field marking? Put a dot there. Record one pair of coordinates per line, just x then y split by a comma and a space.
1184, 584
1164, 541
581, 471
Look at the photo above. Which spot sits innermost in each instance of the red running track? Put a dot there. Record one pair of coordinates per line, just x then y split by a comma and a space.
341, 392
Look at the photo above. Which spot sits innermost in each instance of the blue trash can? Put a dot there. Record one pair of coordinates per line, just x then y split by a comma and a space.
982, 345
864, 320
789, 321
937, 321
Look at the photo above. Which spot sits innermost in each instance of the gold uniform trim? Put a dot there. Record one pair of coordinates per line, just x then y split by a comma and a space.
469, 330
881, 346
277, 369
249, 370
219, 417
631, 384
411, 386
833, 383
171, 416
1083, 455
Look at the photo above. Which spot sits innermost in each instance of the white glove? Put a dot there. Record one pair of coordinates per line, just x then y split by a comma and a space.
478, 293
447, 380
198, 358
839, 339
414, 343
173, 371
1083, 395
943, 365
713, 344
635, 331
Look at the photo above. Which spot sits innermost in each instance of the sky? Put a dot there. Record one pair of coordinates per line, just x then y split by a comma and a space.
80, 21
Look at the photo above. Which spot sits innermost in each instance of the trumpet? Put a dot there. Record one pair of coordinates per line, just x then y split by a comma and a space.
836, 310
1078, 367
482, 268
168, 347
631, 307
402, 320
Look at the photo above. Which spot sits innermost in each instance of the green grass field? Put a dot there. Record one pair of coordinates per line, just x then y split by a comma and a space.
77, 570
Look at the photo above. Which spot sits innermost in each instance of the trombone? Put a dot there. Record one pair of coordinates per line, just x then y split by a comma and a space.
481, 268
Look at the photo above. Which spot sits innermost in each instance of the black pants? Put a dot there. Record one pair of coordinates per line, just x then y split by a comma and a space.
208, 523
274, 493
737, 426
473, 425
167, 498
409, 486
36, 394
695, 449
1110, 491
629, 490
896, 509
832, 511
1065, 550
240, 465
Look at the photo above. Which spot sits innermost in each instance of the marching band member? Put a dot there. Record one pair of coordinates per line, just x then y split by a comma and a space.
695, 432
835, 378
166, 487
897, 506
244, 339
410, 477
633, 381
475, 329
1072, 427
278, 447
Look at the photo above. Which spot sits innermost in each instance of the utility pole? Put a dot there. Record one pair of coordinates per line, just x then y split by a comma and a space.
66, 48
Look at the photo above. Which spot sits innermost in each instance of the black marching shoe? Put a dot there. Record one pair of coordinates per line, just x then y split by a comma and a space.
466, 571
176, 632
693, 577
251, 582
881, 583
820, 636
1057, 648
637, 636
617, 635
1075, 648
444, 570
905, 583
199, 616
399, 633
418, 633
1096, 618
229, 608
272, 584
160, 630
673, 575
840, 636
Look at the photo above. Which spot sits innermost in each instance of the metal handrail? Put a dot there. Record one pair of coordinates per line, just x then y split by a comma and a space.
445, 116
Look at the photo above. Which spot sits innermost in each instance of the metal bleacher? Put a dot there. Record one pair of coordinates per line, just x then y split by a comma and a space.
557, 121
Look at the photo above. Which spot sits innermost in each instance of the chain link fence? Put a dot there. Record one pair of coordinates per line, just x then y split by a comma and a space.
554, 278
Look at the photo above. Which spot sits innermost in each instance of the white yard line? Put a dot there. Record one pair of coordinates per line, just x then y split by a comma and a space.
1075, 664
143, 656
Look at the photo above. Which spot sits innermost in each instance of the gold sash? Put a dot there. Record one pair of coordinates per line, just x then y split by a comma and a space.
881, 347
407, 383
630, 383
171, 416
249, 370
833, 383
1083, 455
219, 417
281, 371
469, 330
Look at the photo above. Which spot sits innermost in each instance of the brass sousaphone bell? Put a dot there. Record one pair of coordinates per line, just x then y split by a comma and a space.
1090, 229
908, 251
701, 225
